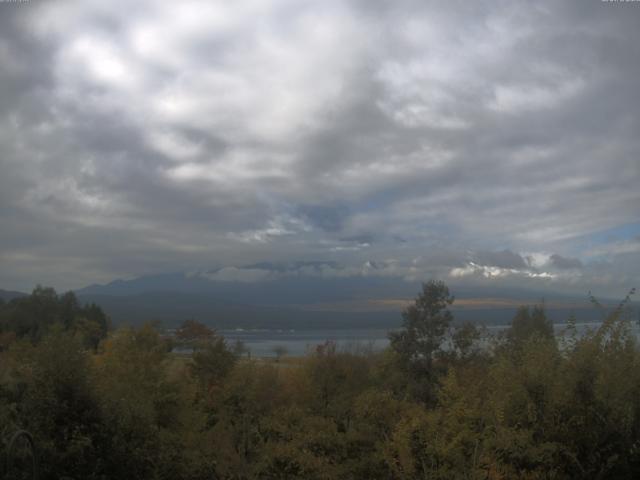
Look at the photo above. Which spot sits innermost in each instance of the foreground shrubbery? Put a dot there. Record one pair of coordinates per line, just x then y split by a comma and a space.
434, 405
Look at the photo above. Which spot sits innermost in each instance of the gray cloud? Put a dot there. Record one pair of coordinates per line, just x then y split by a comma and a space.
502, 259
162, 137
327, 218
561, 262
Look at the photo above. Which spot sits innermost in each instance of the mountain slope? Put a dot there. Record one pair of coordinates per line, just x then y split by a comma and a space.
7, 295
291, 297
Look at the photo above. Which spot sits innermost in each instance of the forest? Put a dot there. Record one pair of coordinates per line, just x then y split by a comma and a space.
443, 401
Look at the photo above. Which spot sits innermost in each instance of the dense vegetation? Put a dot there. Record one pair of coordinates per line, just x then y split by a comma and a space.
441, 402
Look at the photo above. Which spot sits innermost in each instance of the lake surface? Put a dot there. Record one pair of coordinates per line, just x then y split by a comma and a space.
263, 342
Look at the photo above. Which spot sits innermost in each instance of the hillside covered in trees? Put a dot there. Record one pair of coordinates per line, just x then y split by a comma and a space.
444, 401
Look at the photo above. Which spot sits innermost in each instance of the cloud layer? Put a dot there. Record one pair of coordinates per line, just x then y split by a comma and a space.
481, 140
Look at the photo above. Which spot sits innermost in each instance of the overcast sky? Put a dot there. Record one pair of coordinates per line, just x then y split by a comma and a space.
478, 142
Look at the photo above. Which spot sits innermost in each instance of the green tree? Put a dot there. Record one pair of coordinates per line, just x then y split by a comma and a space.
238, 417
49, 393
425, 324
529, 322
465, 341
212, 362
141, 404
92, 324
34, 315
193, 333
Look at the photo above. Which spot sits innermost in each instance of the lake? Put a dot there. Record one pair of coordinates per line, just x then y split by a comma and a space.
263, 342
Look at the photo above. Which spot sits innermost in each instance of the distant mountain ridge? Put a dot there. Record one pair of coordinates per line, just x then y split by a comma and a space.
8, 295
278, 289
286, 284
297, 295
303, 295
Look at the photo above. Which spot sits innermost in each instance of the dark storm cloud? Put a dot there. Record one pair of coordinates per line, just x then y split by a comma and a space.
156, 136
